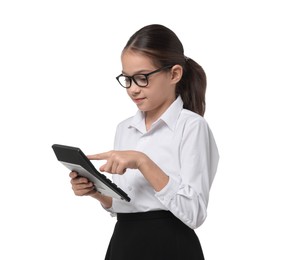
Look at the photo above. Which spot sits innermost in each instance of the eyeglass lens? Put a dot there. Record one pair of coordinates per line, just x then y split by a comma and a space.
139, 79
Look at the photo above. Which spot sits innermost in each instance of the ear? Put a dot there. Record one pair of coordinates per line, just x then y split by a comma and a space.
176, 73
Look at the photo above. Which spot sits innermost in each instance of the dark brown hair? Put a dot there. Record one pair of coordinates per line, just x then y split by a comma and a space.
164, 48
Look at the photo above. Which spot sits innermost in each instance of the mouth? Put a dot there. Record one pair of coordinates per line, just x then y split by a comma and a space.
138, 100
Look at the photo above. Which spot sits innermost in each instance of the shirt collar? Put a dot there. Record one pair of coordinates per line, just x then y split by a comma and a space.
169, 117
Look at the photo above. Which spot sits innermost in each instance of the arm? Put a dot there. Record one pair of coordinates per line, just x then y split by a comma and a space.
185, 193
119, 161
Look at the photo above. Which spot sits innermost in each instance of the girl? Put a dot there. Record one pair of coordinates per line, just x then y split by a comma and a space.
165, 157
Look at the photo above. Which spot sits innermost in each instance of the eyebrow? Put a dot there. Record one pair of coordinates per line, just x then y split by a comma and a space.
144, 71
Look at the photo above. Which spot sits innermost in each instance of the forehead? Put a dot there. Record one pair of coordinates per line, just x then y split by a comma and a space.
135, 62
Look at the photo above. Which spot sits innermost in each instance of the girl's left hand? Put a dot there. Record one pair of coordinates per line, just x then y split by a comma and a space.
118, 161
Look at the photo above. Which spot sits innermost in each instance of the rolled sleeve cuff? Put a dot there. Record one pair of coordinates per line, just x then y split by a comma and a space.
110, 210
119, 206
168, 192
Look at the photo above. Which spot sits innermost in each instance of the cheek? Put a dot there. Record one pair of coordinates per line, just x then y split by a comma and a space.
159, 95
164, 89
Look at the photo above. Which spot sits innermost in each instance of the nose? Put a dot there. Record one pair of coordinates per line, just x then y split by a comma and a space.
134, 88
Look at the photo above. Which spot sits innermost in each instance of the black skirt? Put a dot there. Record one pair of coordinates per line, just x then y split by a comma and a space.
155, 235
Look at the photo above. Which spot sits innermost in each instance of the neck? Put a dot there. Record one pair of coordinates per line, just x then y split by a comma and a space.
153, 115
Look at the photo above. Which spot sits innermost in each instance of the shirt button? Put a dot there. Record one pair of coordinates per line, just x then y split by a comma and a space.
129, 188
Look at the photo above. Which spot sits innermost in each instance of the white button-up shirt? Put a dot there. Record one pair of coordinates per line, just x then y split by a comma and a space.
181, 143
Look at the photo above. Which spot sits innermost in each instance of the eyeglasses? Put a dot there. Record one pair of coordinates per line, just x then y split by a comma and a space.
139, 79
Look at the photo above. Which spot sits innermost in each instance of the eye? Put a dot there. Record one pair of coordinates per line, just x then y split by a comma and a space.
140, 79
126, 80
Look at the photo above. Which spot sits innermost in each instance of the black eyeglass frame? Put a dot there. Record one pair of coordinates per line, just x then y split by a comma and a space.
146, 75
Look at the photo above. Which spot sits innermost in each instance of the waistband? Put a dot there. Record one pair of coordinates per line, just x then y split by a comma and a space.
144, 215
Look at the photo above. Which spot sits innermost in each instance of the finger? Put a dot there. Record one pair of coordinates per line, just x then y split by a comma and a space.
101, 168
114, 167
83, 186
99, 156
73, 175
121, 171
79, 180
106, 167
83, 192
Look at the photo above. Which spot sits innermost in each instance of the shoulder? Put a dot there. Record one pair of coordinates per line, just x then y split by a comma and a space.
194, 131
125, 123
192, 124
189, 119
121, 132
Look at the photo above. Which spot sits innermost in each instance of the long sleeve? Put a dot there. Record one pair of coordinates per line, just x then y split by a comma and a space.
187, 194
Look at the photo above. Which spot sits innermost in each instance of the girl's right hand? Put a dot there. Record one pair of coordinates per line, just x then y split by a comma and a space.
81, 186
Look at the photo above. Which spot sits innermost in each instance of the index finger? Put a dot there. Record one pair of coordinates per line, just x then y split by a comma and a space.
99, 156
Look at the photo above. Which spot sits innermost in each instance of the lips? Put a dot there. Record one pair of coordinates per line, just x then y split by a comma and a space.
138, 100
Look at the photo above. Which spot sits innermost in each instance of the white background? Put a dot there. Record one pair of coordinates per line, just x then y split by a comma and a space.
58, 62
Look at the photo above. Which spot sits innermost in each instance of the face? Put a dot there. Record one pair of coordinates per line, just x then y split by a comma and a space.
155, 98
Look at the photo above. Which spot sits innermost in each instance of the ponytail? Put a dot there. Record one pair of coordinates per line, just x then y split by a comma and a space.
192, 87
